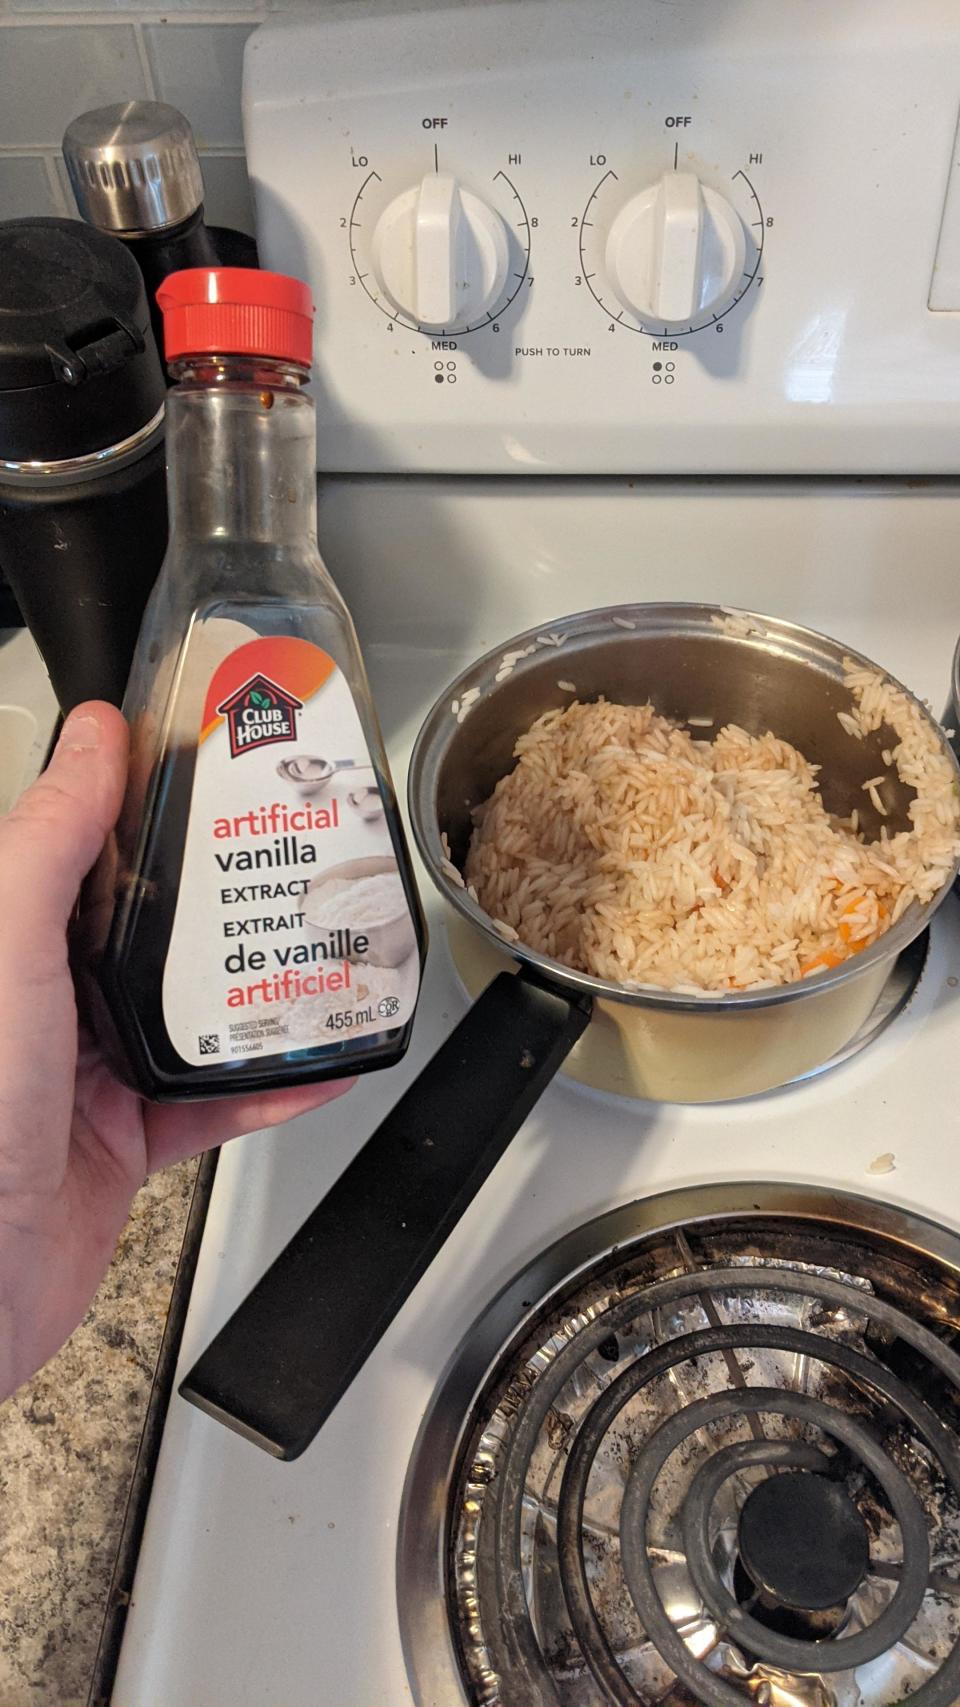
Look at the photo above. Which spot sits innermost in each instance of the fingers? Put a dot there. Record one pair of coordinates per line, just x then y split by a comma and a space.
174, 1132
56, 830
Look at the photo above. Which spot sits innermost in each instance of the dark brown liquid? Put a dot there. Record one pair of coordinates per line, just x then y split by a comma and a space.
126, 931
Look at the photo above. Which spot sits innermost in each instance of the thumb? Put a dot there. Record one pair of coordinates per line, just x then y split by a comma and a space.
56, 830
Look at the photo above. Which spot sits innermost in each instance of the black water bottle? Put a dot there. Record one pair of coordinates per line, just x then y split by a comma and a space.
136, 174
83, 510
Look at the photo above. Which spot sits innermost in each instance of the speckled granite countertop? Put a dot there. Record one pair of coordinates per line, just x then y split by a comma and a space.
68, 1441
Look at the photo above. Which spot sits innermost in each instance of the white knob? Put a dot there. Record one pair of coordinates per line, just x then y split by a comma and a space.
440, 254
676, 252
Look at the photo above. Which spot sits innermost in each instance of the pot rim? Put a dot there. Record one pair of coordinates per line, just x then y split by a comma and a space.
691, 619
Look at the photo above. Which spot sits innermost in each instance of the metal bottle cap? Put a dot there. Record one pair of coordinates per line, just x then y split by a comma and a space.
133, 167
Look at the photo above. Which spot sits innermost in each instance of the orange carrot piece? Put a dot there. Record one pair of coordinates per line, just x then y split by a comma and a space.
827, 959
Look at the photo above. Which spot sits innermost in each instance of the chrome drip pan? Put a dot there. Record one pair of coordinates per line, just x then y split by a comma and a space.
703, 1450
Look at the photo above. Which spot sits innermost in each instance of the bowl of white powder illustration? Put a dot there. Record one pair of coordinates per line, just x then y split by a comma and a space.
361, 908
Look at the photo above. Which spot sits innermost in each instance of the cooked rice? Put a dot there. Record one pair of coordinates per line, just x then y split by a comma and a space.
450, 870
737, 623
508, 932
621, 846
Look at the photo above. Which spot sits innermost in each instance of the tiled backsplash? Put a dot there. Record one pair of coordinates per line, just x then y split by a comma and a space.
58, 60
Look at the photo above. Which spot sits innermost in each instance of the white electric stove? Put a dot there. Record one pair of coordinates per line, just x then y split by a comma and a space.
497, 453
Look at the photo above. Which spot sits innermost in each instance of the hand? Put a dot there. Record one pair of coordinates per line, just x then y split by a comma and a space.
74, 1144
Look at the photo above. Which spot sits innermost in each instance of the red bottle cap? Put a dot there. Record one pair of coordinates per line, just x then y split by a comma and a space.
236, 311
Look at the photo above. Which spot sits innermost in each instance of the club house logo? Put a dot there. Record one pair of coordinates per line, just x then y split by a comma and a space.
258, 714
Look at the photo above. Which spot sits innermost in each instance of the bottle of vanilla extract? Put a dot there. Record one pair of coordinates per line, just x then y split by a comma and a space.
254, 921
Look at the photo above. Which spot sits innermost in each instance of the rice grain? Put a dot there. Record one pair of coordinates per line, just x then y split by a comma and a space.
621, 846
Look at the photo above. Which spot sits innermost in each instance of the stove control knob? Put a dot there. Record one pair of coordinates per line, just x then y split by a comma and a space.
676, 251
440, 254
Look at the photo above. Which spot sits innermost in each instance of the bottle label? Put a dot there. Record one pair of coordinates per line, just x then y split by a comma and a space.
292, 929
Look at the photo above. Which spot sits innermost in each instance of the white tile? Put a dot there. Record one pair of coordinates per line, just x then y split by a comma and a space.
126, 8
51, 72
66, 186
198, 68
25, 188
227, 199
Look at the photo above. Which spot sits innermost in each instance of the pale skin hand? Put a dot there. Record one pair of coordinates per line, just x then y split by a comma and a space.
75, 1145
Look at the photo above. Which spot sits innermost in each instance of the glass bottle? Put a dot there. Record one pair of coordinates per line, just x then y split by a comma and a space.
254, 921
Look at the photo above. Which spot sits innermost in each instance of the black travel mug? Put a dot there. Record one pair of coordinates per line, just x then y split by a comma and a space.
83, 510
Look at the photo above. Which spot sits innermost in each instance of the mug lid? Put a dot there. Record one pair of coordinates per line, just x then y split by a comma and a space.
79, 367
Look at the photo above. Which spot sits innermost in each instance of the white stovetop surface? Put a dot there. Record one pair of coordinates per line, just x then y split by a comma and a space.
28, 713
264, 1584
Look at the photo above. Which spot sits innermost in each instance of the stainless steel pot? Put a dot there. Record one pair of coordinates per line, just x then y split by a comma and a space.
951, 716
656, 1044
290, 1351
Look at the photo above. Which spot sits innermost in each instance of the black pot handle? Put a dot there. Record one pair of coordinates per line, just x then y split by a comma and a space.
292, 1348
